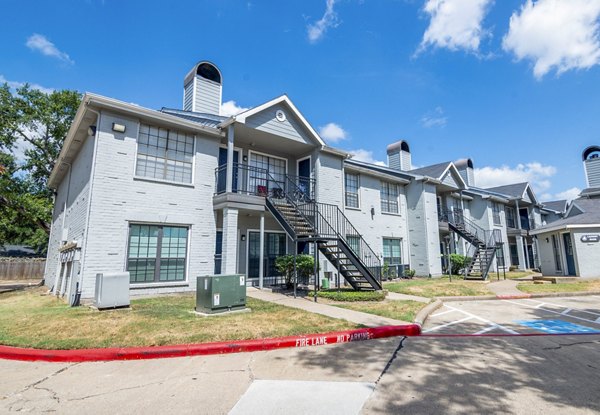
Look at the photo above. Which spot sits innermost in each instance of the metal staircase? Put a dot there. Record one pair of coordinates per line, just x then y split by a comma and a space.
485, 243
304, 219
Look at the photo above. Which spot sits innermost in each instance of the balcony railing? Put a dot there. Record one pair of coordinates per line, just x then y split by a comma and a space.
256, 181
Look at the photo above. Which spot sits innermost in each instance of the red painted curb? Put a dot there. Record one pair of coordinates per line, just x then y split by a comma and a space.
513, 296
156, 352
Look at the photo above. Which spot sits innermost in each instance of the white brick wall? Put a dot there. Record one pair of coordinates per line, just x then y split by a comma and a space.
118, 198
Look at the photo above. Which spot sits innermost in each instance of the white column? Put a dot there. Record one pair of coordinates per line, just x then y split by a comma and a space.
230, 242
261, 251
229, 171
521, 253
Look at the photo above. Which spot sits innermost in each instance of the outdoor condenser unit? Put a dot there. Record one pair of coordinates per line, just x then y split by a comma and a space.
220, 293
112, 290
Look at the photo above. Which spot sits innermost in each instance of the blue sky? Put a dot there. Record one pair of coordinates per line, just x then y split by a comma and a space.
512, 84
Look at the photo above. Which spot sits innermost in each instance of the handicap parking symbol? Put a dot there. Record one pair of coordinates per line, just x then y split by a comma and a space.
556, 326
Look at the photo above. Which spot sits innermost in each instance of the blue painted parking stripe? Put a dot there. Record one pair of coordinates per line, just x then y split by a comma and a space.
556, 326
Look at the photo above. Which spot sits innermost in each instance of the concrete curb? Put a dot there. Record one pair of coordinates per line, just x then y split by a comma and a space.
157, 352
426, 311
570, 294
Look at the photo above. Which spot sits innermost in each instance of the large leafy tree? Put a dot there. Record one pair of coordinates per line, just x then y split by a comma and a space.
33, 126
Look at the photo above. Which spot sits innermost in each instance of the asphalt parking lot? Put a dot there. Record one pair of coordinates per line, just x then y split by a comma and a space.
559, 315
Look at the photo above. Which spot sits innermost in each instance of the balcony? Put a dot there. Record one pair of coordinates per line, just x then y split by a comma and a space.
252, 181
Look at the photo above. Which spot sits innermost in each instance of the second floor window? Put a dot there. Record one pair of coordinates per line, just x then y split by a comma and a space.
351, 181
164, 154
389, 197
510, 217
496, 213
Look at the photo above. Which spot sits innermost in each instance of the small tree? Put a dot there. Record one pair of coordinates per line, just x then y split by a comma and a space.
458, 263
305, 265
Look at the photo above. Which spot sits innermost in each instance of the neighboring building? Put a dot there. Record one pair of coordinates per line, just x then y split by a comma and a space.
571, 246
173, 194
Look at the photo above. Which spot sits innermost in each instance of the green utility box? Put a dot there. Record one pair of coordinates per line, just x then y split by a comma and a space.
220, 293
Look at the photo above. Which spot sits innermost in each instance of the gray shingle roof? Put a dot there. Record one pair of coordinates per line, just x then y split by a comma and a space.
590, 190
434, 171
556, 205
207, 120
513, 190
382, 169
590, 215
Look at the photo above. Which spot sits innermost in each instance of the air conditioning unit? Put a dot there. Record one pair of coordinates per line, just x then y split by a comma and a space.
112, 290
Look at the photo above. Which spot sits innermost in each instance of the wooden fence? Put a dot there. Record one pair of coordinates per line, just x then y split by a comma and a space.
22, 269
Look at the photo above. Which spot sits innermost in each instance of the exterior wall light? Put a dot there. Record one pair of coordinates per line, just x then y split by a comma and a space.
118, 128
243, 238
91, 130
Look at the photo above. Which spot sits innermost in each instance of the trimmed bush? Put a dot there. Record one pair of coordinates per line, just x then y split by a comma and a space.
351, 295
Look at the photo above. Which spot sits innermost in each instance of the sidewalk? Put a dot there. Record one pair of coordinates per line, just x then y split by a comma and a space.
404, 297
505, 288
369, 320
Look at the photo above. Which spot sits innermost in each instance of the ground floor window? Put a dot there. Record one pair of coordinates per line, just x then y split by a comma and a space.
275, 246
354, 242
157, 253
391, 251
514, 254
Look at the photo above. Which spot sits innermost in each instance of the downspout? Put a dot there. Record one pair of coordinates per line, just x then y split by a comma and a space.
87, 219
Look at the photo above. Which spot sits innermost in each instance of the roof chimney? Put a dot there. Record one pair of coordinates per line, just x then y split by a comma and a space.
465, 168
591, 164
399, 156
202, 89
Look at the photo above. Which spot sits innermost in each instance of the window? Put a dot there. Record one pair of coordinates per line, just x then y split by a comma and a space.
496, 213
164, 154
391, 251
352, 185
389, 197
268, 173
557, 263
157, 253
354, 242
510, 217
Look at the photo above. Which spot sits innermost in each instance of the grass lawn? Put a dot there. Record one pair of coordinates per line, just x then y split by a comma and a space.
438, 287
580, 286
30, 319
349, 294
509, 275
399, 310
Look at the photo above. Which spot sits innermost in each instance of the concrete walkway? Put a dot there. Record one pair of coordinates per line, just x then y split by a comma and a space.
369, 320
505, 287
404, 297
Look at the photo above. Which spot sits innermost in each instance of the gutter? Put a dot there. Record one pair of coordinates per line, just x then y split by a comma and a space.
561, 227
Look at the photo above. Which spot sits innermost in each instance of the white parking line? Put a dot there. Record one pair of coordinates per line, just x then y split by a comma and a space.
486, 330
541, 303
552, 311
442, 313
496, 325
447, 324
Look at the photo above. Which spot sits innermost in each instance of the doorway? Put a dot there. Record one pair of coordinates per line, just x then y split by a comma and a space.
222, 172
275, 246
569, 254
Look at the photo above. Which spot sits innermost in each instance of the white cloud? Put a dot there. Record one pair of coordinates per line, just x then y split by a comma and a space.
330, 19
434, 118
569, 194
455, 24
16, 84
332, 132
537, 174
366, 156
555, 34
230, 108
41, 44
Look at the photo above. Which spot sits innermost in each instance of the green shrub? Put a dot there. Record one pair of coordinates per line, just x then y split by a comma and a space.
459, 262
351, 295
410, 273
305, 265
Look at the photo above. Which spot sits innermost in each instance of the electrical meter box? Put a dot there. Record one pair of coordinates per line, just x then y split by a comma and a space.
220, 293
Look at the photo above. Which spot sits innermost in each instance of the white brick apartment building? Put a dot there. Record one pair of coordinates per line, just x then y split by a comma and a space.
172, 194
